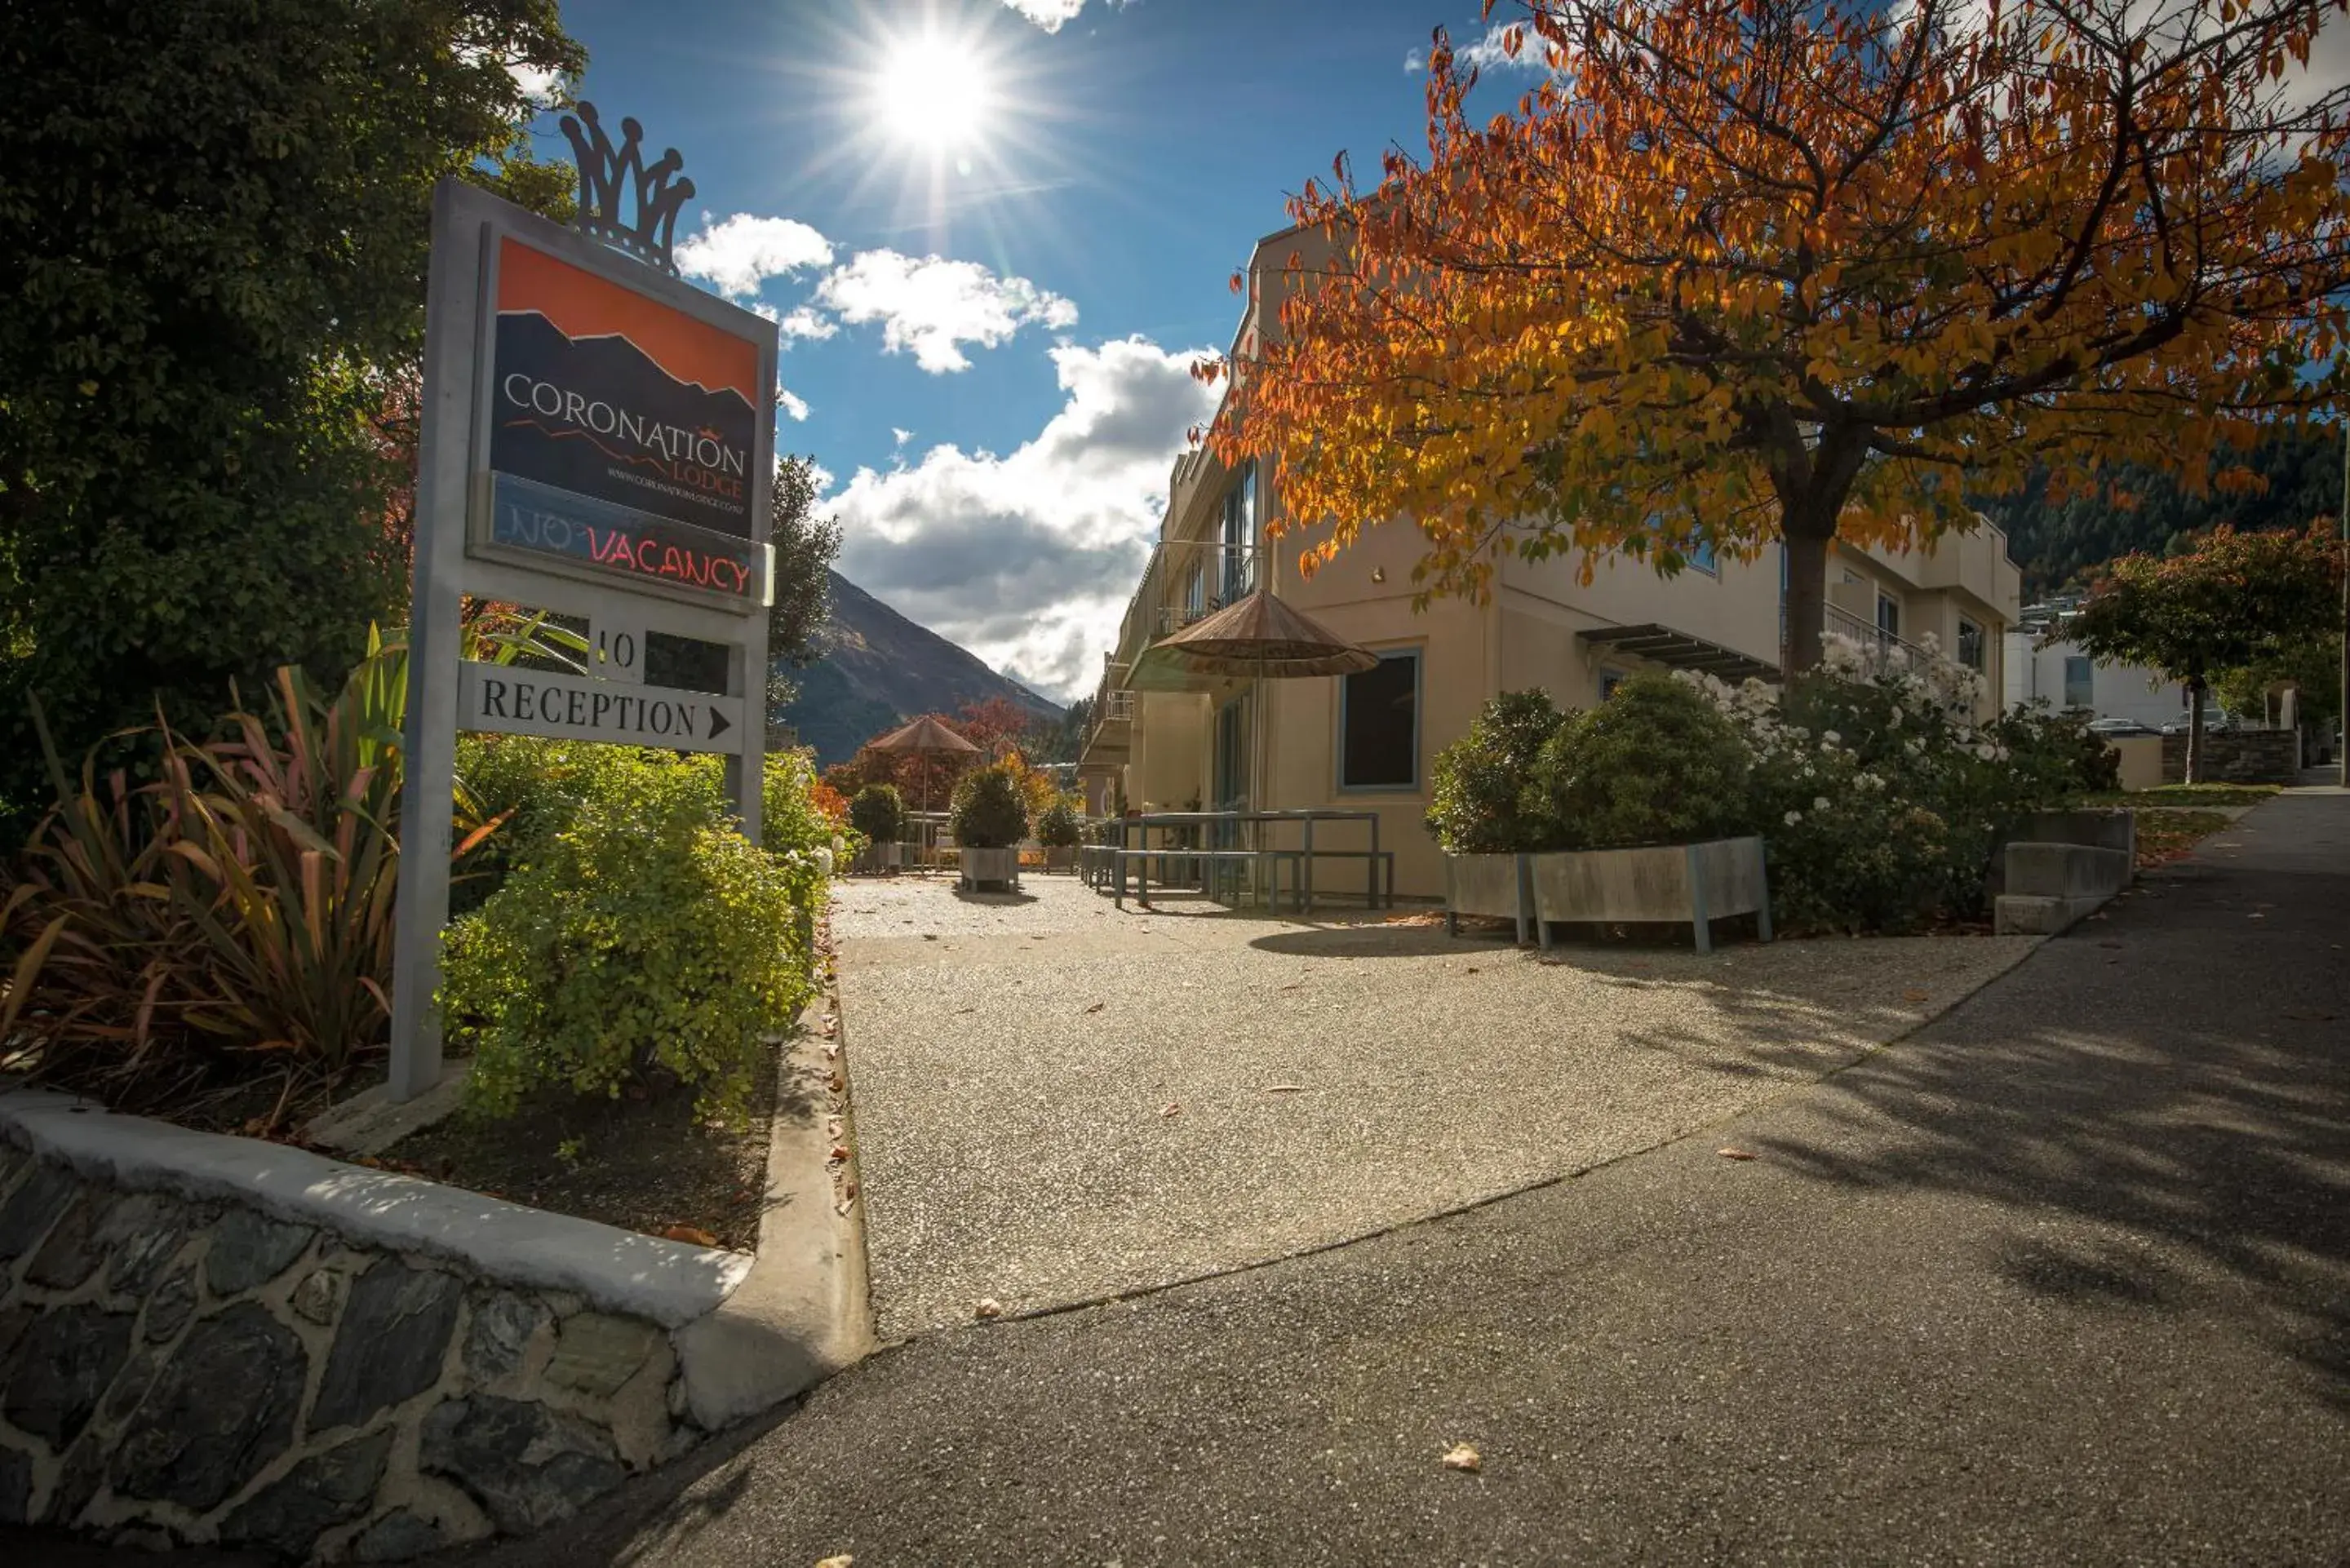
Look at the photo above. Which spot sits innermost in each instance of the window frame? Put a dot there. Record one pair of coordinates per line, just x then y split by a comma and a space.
1981, 658
2088, 680
1418, 654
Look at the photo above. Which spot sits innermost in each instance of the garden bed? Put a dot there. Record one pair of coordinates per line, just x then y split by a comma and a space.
2164, 836
642, 1162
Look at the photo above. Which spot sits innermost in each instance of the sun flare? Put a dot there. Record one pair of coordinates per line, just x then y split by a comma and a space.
933, 91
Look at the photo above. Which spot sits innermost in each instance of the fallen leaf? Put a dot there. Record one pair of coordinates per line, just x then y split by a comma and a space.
928, 936
693, 1234
1471, 970
842, 1561
1461, 1457
1173, 1108
1284, 1088
1914, 996
839, 1151
1096, 1007
1735, 1153
988, 1306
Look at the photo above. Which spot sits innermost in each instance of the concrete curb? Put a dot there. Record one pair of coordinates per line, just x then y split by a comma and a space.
669, 1282
802, 1312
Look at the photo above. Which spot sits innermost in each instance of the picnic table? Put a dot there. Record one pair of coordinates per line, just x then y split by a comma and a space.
1108, 864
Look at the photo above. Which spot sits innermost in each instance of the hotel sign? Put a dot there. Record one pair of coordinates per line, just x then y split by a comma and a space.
621, 436
598, 441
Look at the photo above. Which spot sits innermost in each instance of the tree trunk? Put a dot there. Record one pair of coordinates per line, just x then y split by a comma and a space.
1806, 601
2194, 770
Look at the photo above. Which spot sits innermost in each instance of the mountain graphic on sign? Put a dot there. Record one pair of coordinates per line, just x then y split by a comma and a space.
562, 452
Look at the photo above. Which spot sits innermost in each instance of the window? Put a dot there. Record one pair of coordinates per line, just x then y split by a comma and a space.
2080, 684
1378, 725
1195, 592
1609, 680
1971, 645
1239, 534
1700, 552
1889, 615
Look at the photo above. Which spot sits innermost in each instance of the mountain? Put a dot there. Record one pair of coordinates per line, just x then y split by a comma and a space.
879, 669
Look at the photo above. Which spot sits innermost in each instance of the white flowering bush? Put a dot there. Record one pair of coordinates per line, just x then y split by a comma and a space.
1879, 795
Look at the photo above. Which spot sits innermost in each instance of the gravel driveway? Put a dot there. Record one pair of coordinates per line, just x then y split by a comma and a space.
1059, 1102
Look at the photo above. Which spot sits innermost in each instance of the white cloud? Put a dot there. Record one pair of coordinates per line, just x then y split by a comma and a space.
794, 404
743, 252
899, 436
1048, 14
1028, 559
1490, 51
806, 322
933, 305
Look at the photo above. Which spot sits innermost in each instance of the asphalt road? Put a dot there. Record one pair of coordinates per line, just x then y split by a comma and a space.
2064, 1278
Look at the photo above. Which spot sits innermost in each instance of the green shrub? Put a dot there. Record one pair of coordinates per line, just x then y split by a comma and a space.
879, 812
990, 813
1059, 825
542, 785
1480, 802
643, 937
1655, 764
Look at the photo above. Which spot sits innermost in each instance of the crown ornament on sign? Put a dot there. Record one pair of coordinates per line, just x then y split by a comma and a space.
615, 181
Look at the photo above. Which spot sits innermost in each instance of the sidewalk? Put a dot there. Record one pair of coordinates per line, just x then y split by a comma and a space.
2067, 1278
1060, 1102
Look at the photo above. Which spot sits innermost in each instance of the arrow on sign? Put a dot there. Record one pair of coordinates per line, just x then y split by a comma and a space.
719, 723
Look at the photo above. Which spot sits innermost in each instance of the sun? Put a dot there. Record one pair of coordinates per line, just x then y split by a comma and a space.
932, 91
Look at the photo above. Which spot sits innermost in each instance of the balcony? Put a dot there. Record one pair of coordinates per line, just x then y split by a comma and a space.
1875, 640
1186, 581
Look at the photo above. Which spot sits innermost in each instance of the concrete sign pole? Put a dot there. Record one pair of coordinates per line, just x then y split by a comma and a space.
428, 787
621, 468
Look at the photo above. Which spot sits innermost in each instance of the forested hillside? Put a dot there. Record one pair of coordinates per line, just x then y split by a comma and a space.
2057, 544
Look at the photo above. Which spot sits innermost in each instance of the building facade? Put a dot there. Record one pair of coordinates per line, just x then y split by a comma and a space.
2063, 676
1161, 739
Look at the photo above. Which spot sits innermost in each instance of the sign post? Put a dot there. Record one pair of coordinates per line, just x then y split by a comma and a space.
598, 440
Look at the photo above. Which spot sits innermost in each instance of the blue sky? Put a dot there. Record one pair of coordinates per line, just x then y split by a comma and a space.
997, 233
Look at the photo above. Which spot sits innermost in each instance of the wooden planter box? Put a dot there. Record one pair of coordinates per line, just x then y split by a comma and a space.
1060, 857
1493, 885
997, 869
881, 858
1698, 883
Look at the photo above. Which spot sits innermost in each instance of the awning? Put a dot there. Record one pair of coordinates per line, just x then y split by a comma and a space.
1679, 650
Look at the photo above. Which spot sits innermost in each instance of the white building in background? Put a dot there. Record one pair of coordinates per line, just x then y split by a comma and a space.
2063, 676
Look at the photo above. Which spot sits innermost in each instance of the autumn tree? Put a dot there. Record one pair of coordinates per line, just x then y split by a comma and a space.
2236, 601
1746, 271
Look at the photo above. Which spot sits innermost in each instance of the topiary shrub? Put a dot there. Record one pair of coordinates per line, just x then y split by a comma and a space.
990, 812
1479, 798
879, 812
643, 941
1655, 764
1059, 826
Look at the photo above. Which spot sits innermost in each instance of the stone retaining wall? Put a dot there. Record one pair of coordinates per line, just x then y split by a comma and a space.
209, 1339
173, 1370
2237, 757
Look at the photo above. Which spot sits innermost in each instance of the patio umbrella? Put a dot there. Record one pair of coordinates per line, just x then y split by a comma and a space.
1263, 636
925, 737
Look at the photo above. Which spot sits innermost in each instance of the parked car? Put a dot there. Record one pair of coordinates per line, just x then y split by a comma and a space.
2114, 729
2214, 722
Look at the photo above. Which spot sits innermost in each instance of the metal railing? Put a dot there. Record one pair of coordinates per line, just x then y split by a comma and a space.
1886, 645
